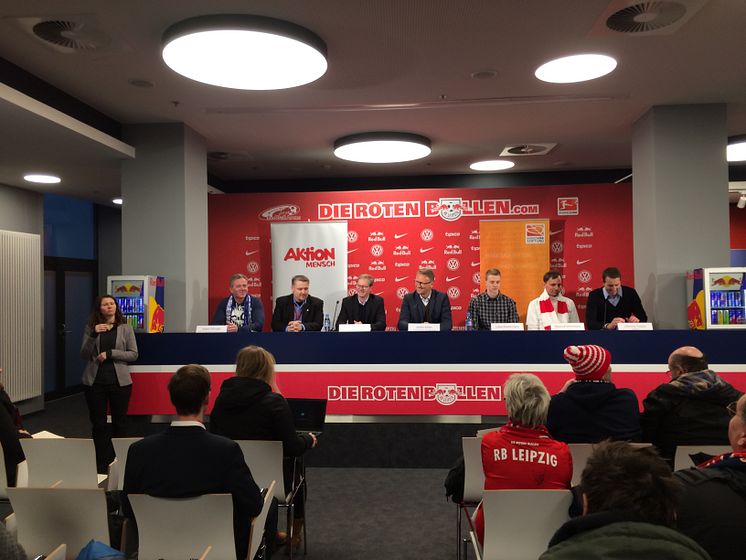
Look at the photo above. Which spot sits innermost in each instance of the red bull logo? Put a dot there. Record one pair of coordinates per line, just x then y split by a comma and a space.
157, 319
726, 280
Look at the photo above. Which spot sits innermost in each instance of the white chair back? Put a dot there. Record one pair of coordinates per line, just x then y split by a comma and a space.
116, 469
257, 524
264, 459
518, 524
179, 528
682, 459
73, 461
473, 469
46, 517
580, 453
59, 553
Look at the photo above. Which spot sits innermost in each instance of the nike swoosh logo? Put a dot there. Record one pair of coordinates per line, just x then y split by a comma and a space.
351, 251
449, 279
579, 262
399, 235
397, 279
475, 264
426, 250
555, 232
249, 253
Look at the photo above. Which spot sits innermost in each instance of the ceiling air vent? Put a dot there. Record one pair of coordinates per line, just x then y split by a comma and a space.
71, 35
529, 149
633, 17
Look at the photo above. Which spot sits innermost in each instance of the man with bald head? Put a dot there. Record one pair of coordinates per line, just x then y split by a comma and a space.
691, 408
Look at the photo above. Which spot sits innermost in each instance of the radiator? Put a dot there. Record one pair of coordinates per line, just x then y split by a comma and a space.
21, 318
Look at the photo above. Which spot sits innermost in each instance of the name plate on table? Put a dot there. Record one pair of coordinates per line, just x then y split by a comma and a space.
211, 328
635, 326
354, 327
506, 326
567, 327
423, 327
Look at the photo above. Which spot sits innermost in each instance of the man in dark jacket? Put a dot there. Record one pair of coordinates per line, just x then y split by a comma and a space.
186, 460
425, 305
712, 509
613, 303
590, 408
629, 498
691, 408
298, 311
363, 307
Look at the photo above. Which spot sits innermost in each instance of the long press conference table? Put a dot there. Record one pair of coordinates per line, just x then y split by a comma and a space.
421, 373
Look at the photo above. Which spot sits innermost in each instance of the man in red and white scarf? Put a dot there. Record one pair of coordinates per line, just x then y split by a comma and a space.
551, 307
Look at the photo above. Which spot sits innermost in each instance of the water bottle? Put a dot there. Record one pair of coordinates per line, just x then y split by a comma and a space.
469, 322
327, 323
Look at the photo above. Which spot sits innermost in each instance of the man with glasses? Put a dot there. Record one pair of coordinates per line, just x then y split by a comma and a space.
712, 507
691, 408
491, 306
364, 307
425, 305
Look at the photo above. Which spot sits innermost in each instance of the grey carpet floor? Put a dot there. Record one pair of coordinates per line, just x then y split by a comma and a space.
370, 513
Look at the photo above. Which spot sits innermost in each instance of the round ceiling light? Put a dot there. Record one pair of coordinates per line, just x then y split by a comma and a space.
244, 52
382, 147
117, 201
575, 68
42, 178
737, 148
492, 165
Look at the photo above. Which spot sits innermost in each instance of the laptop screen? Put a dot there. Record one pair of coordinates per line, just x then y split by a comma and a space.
308, 414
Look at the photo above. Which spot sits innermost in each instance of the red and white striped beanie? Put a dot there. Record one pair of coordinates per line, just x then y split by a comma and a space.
589, 361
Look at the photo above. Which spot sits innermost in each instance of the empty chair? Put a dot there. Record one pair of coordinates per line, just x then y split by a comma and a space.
265, 460
683, 458
473, 482
179, 528
72, 461
46, 517
518, 524
116, 468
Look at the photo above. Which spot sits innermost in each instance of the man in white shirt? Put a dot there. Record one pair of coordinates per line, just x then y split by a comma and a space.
551, 307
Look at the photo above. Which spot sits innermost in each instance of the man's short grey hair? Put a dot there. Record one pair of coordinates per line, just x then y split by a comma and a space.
526, 399
427, 272
367, 277
237, 277
299, 278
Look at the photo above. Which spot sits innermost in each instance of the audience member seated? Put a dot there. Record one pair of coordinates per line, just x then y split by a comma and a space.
691, 408
250, 406
11, 429
629, 499
521, 454
186, 460
712, 509
589, 408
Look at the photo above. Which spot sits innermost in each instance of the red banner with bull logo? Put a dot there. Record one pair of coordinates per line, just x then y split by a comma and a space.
393, 233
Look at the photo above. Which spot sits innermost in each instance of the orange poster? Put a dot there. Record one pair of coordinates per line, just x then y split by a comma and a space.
520, 249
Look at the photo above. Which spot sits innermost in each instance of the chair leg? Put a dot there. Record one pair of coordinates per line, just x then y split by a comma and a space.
291, 522
458, 532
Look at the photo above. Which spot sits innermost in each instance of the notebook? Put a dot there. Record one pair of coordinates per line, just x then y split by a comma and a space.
309, 415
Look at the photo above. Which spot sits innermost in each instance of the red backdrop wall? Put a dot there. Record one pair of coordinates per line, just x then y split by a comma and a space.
392, 233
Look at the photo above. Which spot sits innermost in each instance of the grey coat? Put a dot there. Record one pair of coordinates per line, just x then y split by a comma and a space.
124, 351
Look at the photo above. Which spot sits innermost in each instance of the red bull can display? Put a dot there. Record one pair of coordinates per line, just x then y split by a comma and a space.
141, 300
717, 298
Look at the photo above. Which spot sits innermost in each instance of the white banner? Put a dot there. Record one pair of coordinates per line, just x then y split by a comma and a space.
315, 249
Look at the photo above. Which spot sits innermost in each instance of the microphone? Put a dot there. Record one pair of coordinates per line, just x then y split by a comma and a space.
334, 316
606, 300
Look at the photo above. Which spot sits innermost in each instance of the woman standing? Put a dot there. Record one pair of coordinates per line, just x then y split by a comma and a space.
250, 406
108, 346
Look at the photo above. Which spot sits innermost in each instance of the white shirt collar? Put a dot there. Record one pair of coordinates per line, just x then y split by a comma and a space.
186, 423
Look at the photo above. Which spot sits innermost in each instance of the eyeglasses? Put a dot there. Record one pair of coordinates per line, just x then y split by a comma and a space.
422, 283
732, 408
359, 287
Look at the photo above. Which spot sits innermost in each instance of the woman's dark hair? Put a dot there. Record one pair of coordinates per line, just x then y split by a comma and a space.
621, 477
96, 317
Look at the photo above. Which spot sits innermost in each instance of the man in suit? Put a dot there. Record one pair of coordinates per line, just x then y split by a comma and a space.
613, 303
186, 460
425, 305
298, 311
240, 311
363, 307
